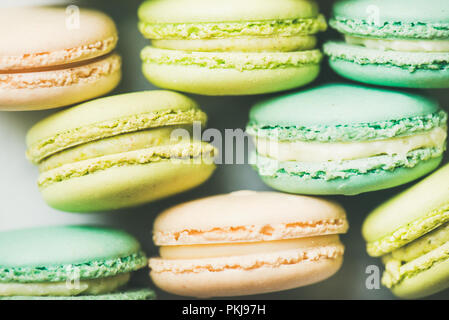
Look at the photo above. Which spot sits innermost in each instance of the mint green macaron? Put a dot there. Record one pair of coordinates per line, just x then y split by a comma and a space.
233, 47
388, 45
411, 233
68, 261
120, 151
346, 139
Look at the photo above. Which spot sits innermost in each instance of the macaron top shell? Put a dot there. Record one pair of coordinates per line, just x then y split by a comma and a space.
353, 113
247, 216
204, 11
54, 36
52, 253
410, 215
108, 117
385, 18
343, 105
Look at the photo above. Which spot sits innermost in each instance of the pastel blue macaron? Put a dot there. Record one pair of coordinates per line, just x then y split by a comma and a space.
401, 43
69, 262
346, 139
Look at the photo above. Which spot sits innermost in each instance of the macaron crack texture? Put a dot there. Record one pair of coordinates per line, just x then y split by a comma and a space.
43, 148
303, 26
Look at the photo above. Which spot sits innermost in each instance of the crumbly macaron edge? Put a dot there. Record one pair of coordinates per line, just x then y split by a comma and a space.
351, 132
304, 26
64, 140
246, 262
391, 29
251, 233
334, 170
411, 61
88, 270
409, 232
178, 153
394, 276
86, 73
241, 61
59, 58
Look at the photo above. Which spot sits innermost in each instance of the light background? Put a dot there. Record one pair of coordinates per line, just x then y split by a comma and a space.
22, 206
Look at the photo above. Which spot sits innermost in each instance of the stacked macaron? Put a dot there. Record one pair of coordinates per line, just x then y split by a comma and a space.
401, 43
232, 47
346, 139
120, 151
69, 263
411, 233
48, 60
247, 243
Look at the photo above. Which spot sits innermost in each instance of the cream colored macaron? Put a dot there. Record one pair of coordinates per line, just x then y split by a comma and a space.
247, 243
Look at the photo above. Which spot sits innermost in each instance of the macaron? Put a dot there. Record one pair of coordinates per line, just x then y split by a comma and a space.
411, 232
401, 43
233, 47
67, 261
52, 57
346, 139
120, 151
247, 243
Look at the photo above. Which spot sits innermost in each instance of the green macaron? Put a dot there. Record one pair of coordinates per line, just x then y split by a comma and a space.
411, 232
120, 151
69, 262
346, 139
215, 47
388, 45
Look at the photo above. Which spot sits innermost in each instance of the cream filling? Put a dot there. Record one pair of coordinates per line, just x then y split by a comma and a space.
243, 44
240, 249
318, 151
67, 288
400, 45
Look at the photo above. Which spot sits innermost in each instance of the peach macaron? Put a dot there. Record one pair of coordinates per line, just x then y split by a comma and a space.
246, 243
53, 57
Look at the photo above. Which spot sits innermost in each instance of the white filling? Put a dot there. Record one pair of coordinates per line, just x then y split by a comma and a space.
240, 249
401, 45
66, 288
322, 151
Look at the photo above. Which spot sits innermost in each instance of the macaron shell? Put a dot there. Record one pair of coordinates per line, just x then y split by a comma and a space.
432, 11
429, 195
353, 185
204, 11
425, 283
125, 186
58, 88
132, 294
250, 214
54, 36
391, 76
236, 282
92, 252
218, 82
343, 104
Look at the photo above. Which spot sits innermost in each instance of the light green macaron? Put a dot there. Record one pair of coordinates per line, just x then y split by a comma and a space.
120, 151
388, 44
69, 263
234, 47
411, 233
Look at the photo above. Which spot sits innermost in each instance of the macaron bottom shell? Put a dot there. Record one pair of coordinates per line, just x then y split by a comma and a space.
353, 185
247, 275
386, 75
55, 88
126, 186
205, 81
